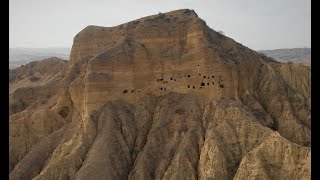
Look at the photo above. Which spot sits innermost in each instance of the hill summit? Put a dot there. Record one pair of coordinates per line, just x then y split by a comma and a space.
163, 97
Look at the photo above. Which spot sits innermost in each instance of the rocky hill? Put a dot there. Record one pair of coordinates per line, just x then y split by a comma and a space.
22, 56
163, 97
35, 73
295, 55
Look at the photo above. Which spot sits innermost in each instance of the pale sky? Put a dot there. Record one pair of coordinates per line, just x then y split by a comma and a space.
267, 24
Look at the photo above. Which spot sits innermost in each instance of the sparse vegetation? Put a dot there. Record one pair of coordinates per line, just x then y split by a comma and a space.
258, 114
187, 11
34, 78
64, 111
133, 24
266, 58
94, 115
180, 111
159, 16
220, 32
17, 106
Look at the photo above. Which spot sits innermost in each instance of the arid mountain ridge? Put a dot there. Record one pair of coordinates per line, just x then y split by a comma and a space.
23, 56
161, 97
295, 55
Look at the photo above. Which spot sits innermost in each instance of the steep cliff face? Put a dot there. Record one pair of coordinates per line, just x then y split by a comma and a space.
173, 52
164, 97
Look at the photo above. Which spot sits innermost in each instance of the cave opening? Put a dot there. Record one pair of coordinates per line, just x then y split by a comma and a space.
125, 91
202, 84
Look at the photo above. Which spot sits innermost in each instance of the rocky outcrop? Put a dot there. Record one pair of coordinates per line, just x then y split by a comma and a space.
163, 97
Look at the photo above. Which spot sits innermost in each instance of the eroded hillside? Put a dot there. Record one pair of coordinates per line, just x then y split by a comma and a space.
163, 97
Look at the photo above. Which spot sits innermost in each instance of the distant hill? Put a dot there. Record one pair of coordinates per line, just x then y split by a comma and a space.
21, 56
35, 73
296, 55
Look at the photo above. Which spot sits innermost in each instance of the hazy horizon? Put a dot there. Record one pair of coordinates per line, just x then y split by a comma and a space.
257, 25
71, 47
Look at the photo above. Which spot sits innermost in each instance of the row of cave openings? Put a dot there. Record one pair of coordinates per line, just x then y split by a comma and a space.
127, 91
201, 86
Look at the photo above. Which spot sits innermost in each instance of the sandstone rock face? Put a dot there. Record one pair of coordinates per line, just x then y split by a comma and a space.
163, 97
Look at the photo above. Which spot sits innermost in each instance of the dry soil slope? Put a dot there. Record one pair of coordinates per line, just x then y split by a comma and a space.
164, 97
35, 73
